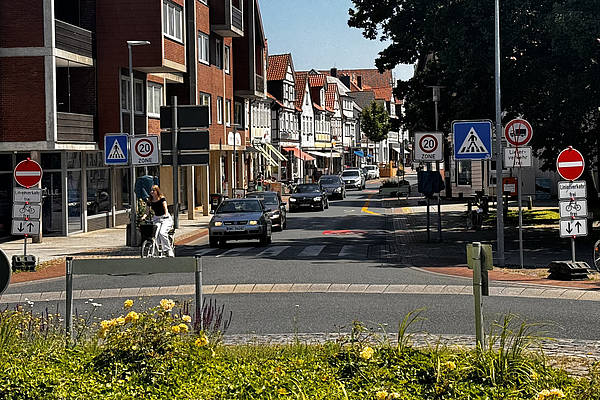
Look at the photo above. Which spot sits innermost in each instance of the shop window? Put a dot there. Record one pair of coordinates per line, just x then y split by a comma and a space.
73, 160
463, 173
98, 191
6, 162
95, 160
50, 161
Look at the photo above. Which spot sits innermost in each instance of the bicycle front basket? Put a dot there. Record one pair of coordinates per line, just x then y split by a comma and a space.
148, 231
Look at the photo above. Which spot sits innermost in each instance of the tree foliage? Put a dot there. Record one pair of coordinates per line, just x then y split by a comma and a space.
550, 72
375, 122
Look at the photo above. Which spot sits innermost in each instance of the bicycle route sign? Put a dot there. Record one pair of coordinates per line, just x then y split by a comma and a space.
27, 211
429, 147
573, 208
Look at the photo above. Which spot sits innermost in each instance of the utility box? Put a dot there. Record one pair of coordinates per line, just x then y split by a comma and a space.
487, 256
26, 263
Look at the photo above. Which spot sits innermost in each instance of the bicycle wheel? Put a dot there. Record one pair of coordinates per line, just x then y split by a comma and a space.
597, 255
147, 248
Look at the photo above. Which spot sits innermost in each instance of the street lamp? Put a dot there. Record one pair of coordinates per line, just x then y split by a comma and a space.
132, 229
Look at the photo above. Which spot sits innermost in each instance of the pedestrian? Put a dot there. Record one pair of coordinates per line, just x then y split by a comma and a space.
162, 219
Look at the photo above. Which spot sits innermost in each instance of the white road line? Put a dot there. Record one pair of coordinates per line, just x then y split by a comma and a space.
273, 251
234, 251
311, 251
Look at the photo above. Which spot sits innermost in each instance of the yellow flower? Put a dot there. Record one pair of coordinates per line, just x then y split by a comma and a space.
394, 395
132, 316
183, 328
366, 353
186, 318
381, 395
128, 304
551, 394
201, 341
167, 304
120, 320
450, 365
557, 393
106, 324
282, 391
175, 329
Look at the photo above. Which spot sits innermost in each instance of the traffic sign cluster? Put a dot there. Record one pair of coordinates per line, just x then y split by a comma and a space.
27, 204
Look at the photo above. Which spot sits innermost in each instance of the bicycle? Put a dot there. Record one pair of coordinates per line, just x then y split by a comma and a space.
150, 246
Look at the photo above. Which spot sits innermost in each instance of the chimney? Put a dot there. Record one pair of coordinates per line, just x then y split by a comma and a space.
333, 72
359, 81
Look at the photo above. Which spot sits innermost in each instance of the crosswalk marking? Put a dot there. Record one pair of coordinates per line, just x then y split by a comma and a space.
311, 251
273, 251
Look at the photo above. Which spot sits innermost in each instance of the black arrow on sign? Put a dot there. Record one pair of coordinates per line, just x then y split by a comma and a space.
569, 230
30, 225
578, 225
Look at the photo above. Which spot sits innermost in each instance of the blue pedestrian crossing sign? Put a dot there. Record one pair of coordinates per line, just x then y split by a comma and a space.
472, 139
115, 149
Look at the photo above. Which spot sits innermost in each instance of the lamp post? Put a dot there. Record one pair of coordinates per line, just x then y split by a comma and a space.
132, 229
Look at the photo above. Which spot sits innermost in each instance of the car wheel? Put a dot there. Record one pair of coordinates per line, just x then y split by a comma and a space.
213, 242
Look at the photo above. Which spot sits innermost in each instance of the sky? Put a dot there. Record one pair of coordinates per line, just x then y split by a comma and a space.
317, 34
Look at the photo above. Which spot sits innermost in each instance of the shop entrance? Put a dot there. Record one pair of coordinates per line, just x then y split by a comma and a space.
52, 203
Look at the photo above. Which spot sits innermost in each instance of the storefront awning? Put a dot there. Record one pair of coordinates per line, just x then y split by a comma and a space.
299, 153
265, 154
326, 154
359, 153
277, 153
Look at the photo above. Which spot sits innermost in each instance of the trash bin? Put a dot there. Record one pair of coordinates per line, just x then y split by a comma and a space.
215, 200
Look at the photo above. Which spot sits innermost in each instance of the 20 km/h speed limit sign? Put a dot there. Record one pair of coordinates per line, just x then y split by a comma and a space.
144, 150
428, 146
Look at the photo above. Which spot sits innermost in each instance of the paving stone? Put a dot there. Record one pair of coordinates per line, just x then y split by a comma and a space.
591, 296
208, 289
167, 290
300, 288
414, 289
338, 287
376, 289
50, 296
76, 294
467, 290
512, 291
262, 288
130, 292
149, 291
281, 288
496, 290
37, 296
532, 292
552, 293
10, 298
89, 294
186, 289
572, 294
243, 288
357, 288
224, 289
106, 293
395, 289
433, 289
319, 287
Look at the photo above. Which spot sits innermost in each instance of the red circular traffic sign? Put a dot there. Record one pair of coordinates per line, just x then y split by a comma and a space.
570, 164
518, 132
28, 173
428, 143
144, 147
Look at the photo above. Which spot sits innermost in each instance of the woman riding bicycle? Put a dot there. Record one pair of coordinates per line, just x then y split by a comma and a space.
162, 219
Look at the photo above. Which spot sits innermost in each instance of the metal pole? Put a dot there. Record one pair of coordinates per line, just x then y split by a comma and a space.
69, 296
428, 222
25, 246
234, 174
573, 249
519, 190
477, 294
132, 228
199, 304
175, 156
499, 206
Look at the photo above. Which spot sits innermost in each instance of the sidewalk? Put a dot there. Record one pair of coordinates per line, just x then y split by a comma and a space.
101, 243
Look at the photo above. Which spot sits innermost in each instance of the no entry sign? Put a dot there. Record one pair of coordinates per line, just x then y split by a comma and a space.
28, 173
570, 164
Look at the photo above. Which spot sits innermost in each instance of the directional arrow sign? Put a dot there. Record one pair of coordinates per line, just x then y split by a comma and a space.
573, 208
573, 227
568, 190
23, 227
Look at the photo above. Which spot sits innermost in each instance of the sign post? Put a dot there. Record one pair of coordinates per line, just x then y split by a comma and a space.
572, 196
428, 148
27, 204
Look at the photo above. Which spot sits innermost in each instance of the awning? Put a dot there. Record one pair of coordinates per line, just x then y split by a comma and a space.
277, 153
327, 154
265, 155
370, 155
359, 153
299, 153
397, 150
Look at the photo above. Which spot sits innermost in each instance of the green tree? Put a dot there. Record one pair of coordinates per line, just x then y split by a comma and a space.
550, 64
375, 123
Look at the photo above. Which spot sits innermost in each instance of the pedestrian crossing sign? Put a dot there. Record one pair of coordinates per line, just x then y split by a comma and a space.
115, 149
472, 140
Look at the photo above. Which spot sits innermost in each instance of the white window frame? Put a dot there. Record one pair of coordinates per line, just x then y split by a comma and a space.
154, 92
219, 110
171, 13
136, 83
228, 112
203, 48
226, 58
204, 99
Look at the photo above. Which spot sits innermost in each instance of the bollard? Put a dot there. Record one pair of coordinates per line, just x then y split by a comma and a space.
474, 262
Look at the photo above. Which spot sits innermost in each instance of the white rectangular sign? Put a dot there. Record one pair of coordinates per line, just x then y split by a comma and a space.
428, 146
23, 195
568, 190
573, 227
573, 208
22, 227
144, 150
517, 157
31, 211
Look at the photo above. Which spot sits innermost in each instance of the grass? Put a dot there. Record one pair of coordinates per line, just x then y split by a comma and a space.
530, 217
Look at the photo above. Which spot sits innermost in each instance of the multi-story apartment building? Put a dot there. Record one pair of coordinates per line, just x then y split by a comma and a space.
64, 85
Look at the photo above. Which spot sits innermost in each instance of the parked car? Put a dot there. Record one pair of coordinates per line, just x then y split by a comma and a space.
333, 185
353, 179
274, 206
239, 219
309, 195
371, 171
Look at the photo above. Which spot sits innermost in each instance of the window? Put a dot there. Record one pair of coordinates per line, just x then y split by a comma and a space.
238, 114
226, 59
173, 21
204, 100
228, 112
154, 99
126, 95
463, 173
219, 53
203, 48
219, 110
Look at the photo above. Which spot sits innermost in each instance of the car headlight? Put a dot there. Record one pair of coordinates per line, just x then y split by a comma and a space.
218, 223
318, 198
337, 190
292, 199
252, 222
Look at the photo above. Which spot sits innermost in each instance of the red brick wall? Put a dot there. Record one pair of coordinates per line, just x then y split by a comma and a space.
153, 126
21, 23
22, 99
174, 51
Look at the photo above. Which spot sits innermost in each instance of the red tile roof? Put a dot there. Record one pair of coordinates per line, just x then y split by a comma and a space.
318, 107
330, 96
269, 95
300, 88
317, 80
277, 66
370, 77
382, 93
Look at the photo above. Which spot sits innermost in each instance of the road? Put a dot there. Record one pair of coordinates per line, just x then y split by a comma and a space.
349, 245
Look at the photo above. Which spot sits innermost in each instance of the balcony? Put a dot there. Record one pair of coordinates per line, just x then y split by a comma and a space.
73, 127
73, 39
227, 17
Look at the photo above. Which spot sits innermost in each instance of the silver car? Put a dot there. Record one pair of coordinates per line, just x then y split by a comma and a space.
240, 219
353, 179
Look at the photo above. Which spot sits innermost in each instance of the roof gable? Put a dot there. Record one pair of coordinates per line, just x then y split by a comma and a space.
278, 65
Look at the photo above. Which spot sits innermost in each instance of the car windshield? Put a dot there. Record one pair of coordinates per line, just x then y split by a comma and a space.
350, 173
267, 198
329, 180
307, 188
239, 206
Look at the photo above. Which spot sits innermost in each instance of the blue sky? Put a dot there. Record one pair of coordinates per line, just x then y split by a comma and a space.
317, 34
